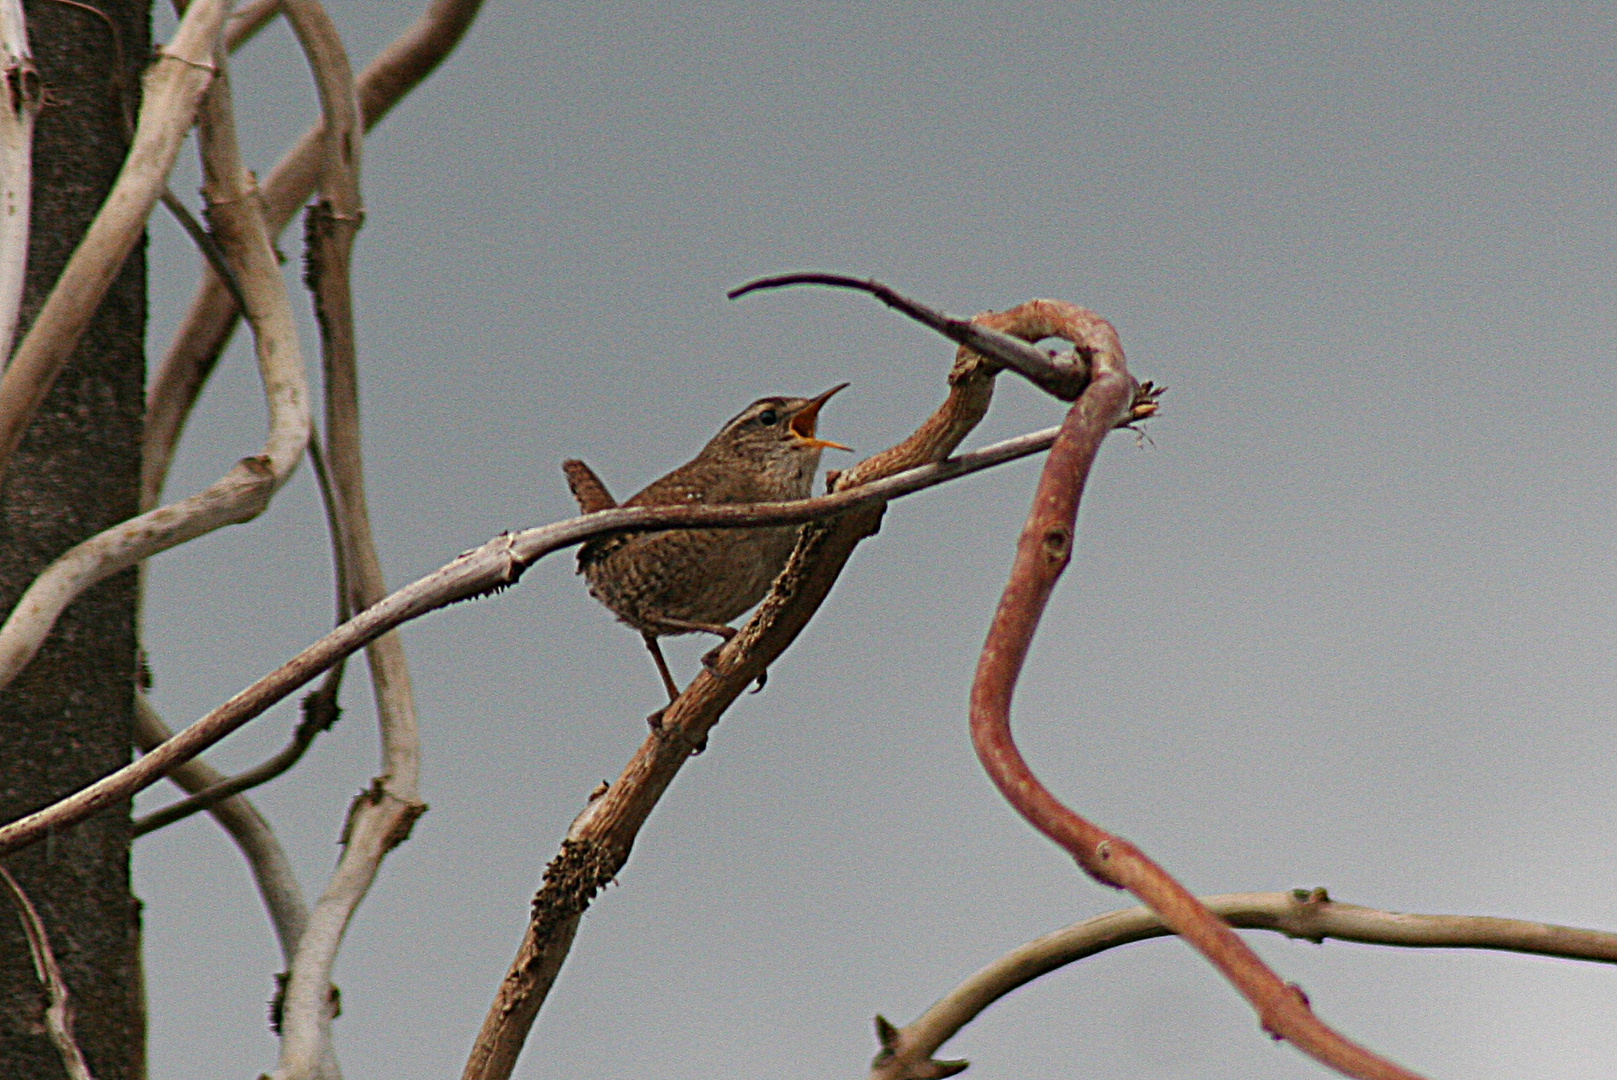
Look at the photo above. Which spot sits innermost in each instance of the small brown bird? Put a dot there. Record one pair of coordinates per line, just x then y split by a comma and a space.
697, 580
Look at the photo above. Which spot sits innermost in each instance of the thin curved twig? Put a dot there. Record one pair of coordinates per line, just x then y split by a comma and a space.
495, 565
320, 708
316, 720
1064, 376
174, 86
21, 96
212, 316
1042, 554
271, 869
1307, 914
58, 1009
205, 243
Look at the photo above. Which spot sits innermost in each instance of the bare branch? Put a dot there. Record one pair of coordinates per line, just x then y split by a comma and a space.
212, 316
308, 1030
339, 131
1310, 915
318, 716
1042, 554
319, 707
174, 85
239, 495
205, 243
23, 95
247, 20
272, 871
493, 566
412, 57
58, 1012
1063, 376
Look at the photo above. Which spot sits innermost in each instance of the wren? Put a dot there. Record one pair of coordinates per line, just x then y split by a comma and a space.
685, 581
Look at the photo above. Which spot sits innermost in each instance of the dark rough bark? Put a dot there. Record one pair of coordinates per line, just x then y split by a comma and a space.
67, 719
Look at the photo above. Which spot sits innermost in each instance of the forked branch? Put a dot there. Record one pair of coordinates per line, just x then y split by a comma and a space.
245, 491
271, 869
1064, 376
212, 316
383, 816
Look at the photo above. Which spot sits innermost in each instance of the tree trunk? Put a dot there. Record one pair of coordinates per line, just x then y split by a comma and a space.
67, 719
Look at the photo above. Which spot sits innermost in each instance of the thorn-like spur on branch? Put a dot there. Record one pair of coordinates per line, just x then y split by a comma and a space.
58, 1011
493, 566
600, 839
1042, 554
1062, 375
1306, 914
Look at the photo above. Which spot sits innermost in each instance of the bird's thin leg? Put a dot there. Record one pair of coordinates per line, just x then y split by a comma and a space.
662, 666
712, 655
690, 626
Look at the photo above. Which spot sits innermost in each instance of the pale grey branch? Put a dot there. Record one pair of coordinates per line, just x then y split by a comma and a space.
272, 872
246, 490
211, 318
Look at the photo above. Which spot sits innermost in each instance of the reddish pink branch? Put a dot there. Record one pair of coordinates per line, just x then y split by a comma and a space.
1042, 554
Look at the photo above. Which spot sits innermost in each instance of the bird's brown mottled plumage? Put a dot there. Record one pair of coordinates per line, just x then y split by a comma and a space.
697, 580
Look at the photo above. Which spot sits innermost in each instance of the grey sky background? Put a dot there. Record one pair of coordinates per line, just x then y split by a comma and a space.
1346, 620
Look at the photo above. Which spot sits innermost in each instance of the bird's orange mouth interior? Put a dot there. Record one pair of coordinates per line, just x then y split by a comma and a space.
804, 423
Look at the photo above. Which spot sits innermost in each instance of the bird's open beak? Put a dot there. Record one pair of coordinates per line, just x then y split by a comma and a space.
803, 423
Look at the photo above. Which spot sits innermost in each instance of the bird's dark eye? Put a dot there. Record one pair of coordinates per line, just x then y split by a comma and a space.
769, 418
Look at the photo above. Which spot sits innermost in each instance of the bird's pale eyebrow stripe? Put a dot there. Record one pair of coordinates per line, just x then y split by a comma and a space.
755, 408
